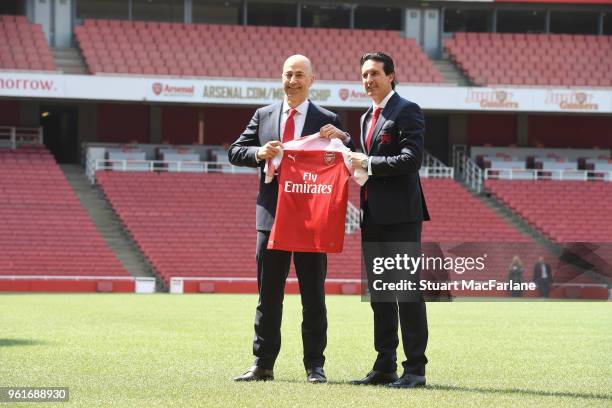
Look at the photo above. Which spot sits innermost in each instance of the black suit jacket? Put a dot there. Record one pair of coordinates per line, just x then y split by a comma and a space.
264, 127
538, 272
394, 193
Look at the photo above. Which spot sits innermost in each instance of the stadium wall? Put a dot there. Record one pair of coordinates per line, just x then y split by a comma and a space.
9, 113
570, 131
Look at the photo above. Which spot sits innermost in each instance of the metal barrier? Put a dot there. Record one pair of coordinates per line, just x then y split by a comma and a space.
431, 161
466, 169
353, 218
164, 166
13, 137
549, 174
437, 172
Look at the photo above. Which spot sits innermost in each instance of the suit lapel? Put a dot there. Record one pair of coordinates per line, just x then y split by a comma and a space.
363, 129
310, 121
384, 115
274, 122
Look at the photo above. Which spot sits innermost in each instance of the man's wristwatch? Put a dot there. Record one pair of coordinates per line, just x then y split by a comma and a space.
364, 164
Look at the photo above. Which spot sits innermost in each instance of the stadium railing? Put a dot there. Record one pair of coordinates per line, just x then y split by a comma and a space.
211, 167
13, 137
466, 169
549, 174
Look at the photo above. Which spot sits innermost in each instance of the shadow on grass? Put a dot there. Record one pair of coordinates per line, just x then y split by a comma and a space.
476, 390
520, 391
19, 342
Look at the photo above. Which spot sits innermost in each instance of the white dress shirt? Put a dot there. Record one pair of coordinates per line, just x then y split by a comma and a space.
381, 105
299, 118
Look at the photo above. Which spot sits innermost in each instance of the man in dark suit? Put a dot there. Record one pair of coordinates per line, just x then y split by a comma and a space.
393, 208
262, 139
542, 276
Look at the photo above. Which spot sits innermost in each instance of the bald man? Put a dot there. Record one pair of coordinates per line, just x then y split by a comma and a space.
292, 118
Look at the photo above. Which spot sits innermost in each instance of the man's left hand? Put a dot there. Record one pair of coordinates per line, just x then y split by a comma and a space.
331, 132
357, 158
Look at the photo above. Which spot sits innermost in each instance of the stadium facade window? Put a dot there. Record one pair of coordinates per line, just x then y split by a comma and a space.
272, 14
158, 10
326, 15
607, 24
378, 18
521, 21
574, 22
468, 20
14, 8
217, 12
111, 9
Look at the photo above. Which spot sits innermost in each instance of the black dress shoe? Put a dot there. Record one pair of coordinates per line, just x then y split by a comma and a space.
409, 381
316, 375
376, 378
256, 374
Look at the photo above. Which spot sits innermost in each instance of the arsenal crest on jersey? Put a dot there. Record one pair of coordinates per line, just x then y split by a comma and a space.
329, 157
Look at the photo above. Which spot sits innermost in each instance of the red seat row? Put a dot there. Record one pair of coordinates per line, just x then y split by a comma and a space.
240, 51
45, 230
533, 59
23, 45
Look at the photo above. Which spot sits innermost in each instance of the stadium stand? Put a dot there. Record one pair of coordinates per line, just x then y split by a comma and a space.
45, 230
207, 50
558, 209
184, 227
23, 45
533, 59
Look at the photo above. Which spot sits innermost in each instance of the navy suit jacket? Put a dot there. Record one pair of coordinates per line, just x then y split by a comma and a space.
264, 127
394, 193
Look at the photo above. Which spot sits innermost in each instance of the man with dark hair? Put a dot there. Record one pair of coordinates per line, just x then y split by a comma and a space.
393, 208
262, 139
542, 276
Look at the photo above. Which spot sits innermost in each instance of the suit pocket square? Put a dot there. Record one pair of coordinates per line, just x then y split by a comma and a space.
386, 138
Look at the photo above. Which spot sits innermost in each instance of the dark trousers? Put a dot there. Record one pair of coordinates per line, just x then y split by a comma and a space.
412, 315
272, 270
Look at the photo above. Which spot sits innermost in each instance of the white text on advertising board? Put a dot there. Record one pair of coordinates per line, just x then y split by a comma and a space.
238, 92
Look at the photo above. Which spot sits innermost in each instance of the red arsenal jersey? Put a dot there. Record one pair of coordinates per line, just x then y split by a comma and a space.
312, 200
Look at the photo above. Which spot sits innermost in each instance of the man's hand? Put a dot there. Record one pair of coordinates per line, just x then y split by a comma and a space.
269, 150
357, 159
330, 132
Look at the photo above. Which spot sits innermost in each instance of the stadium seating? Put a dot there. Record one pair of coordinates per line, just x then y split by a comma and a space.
533, 59
202, 225
23, 45
206, 50
45, 230
565, 211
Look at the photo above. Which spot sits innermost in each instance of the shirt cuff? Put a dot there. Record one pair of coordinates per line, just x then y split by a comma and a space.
369, 166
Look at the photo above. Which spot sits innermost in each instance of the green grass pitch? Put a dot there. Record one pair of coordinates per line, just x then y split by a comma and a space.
182, 351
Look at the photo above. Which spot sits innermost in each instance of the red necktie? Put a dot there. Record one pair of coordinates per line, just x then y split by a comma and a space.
375, 115
289, 132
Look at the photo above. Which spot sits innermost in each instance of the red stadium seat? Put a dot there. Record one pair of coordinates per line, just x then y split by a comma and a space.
540, 55
222, 43
45, 230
